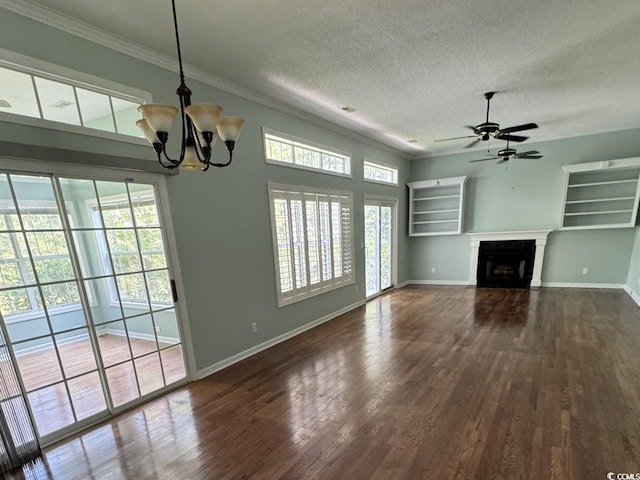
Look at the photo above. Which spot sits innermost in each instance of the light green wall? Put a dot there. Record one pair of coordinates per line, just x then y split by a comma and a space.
633, 275
221, 218
527, 195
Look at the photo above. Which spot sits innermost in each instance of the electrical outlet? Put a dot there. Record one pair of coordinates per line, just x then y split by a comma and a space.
585, 270
357, 288
254, 327
434, 269
157, 328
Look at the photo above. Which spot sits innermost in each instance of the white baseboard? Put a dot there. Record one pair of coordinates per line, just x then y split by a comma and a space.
49, 344
634, 296
205, 372
403, 284
140, 336
465, 283
617, 286
438, 282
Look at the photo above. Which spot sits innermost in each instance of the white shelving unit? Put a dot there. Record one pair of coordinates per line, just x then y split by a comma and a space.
601, 194
435, 206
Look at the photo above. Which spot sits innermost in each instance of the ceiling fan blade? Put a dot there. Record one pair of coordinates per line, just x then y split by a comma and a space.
484, 159
512, 138
453, 138
474, 142
529, 152
519, 128
530, 157
471, 127
502, 160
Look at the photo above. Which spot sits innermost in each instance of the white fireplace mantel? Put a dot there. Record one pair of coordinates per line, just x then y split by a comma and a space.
540, 236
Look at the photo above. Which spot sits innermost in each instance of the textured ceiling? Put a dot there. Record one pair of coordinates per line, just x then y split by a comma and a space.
413, 69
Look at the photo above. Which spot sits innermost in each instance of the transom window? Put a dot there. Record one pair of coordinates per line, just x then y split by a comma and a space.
284, 150
313, 241
33, 91
374, 172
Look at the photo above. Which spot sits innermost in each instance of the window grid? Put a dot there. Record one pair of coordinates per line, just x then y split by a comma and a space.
18, 294
287, 151
374, 172
149, 264
312, 234
109, 124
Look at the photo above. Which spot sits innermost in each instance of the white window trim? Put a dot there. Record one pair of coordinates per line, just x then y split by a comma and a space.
33, 66
39, 313
382, 165
305, 142
319, 289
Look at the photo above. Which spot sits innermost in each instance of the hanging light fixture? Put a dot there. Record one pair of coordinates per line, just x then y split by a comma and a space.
202, 124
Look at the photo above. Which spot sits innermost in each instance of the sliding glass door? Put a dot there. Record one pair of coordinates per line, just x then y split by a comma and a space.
379, 219
85, 297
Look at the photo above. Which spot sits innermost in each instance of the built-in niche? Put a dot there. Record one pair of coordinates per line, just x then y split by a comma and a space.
601, 194
436, 206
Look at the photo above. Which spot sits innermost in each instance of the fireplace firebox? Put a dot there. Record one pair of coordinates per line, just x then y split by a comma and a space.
506, 263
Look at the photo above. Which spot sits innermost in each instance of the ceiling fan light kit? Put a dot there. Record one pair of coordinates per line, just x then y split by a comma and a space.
487, 130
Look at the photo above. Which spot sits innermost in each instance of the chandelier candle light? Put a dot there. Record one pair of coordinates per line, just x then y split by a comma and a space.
201, 125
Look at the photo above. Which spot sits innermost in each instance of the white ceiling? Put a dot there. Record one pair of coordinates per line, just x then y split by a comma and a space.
413, 69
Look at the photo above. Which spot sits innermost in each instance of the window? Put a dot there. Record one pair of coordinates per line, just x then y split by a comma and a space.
280, 149
42, 94
125, 246
42, 228
374, 172
312, 239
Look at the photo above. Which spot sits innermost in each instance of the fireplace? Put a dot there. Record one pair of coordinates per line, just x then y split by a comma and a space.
506, 263
537, 237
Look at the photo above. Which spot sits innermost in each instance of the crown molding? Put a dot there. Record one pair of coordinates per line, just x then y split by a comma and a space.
88, 32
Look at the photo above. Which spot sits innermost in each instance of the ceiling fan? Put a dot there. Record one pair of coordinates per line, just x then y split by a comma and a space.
507, 154
485, 131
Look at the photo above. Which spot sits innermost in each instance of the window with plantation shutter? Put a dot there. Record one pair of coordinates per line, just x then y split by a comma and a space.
312, 239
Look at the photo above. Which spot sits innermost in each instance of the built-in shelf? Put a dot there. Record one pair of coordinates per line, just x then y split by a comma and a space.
604, 212
595, 200
593, 184
436, 211
601, 194
436, 198
435, 206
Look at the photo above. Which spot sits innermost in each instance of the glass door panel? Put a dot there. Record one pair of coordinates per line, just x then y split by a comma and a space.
41, 304
378, 234
85, 296
372, 248
118, 233
386, 245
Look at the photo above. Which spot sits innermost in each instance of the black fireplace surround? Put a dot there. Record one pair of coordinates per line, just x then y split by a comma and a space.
506, 264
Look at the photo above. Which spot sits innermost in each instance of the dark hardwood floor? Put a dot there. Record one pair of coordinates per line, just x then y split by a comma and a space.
425, 382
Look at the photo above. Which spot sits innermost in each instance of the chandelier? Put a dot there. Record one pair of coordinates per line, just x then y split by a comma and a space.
202, 124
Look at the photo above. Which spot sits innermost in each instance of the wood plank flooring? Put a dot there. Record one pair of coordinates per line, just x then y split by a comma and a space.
41, 373
422, 383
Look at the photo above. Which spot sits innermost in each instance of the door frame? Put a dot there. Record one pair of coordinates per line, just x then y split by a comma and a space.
393, 202
35, 167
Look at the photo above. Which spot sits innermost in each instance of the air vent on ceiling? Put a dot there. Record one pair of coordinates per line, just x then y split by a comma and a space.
413, 140
61, 104
348, 109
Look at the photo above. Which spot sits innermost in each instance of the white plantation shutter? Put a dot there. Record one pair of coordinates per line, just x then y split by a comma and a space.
312, 239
